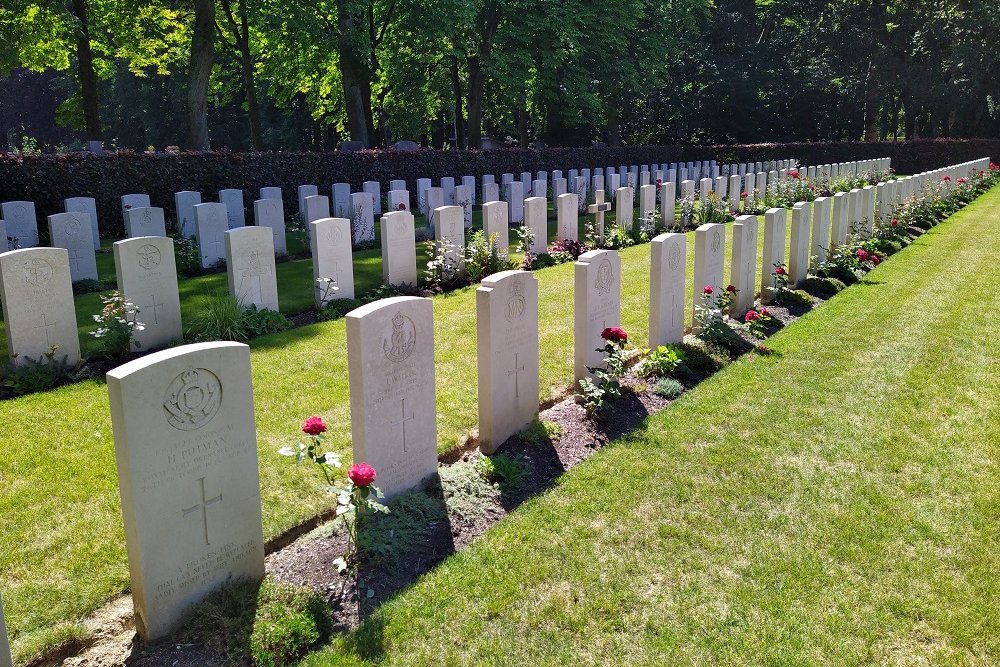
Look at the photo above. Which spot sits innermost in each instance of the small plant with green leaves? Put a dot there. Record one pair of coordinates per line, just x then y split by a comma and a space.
326, 289
444, 269
187, 254
24, 375
539, 432
484, 257
509, 472
779, 280
668, 387
596, 392
756, 321
711, 210
663, 361
117, 324
617, 237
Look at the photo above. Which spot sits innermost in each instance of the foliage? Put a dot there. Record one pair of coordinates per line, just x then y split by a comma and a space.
444, 269
117, 323
336, 309
222, 317
605, 383
539, 432
26, 375
662, 361
566, 250
484, 257
90, 286
668, 387
617, 237
510, 472
187, 255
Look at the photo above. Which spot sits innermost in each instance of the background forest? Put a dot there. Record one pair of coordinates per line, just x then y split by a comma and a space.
309, 74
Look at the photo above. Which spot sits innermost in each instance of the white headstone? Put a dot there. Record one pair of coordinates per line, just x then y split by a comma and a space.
433, 199
567, 217
362, 217
539, 188
507, 353
72, 231
333, 264
303, 192
250, 267
496, 221
270, 192
798, 252
581, 192
535, 217
743, 264
704, 187
390, 353
775, 233
186, 454
491, 192
233, 199
147, 276
667, 284
398, 200
398, 184
839, 226
647, 200
449, 232
185, 202
211, 223
316, 207
399, 256
424, 184
374, 188
709, 258
624, 208
470, 183
559, 186
464, 199
448, 186
270, 213
821, 228
514, 195
133, 201
341, 200
668, 204
89, 206
145, 221
597, 305
22, 223
37, 299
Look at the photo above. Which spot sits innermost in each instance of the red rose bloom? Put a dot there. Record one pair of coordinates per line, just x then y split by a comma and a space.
743, 195
401, 206
362, 474
615, 335
708, 290
779, 270
961, 180
895, 222
731, 289
862, 254
946, 178
751, 316
994, 166
659, 181
313, 426
876, 260
793, 173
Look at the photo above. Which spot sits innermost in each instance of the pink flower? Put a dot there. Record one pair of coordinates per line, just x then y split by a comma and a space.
751, 316
313, 426
779, 271
708, 290
764, 312
876, 260
361, 474
946, 178
962, 180
862, 254
744, 195
894, 222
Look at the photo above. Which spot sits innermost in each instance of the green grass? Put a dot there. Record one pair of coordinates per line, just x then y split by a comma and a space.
62, 550
834, 504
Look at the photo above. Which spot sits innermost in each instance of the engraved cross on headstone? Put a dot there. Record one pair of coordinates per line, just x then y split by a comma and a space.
154, 306
402, 420
516, 372
203, 506
45, 326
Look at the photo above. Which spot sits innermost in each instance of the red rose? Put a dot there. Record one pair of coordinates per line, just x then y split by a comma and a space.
793, 173
764, 312
779, 270
751, 316
946, 178
615, 335
401, 206
862, 254
743, 195
708, 290
876, 260
659, 181
731, 289
895, 222
313, 426
128, 206
362, 474
994, 166
961, 180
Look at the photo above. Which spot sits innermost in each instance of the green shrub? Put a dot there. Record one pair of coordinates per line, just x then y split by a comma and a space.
794, 298
540, 432
223, 317
668, 388
503, 469
700, 358
823, 287
662, 361
33, 375
336, 309
89, 286
483, 257
263, 322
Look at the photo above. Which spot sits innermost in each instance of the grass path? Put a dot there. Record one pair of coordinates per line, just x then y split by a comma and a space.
62, 549
833, 505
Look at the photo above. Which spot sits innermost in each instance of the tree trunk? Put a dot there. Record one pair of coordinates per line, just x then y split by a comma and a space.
353, 71
246, 59
488, 19
614, 130
88, 78
202, 59
456, 84
522, 125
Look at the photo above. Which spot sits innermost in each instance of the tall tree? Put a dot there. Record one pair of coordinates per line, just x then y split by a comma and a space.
200, 73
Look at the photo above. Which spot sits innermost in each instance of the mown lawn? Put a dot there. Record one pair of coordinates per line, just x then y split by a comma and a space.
62, 550
835, 504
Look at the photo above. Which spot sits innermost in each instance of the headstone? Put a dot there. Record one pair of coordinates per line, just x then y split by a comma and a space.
374, 188
270, 213
362, 217
399, 200
470, 183
668, 204
507, 353
647, 200
597, 306
186, 454
597, 183
539, 188
514, 195
775, 233
399, 256
22, 223
37, 297
5, 657
145, 221
496, 221
341, 200
270, 192
581, 192
687, 190
423, 185
704, 188
625, 208
854, 209
303, 192
390, 358
316, 207
722, 188
332, 261
506, 178
185, 202
464, 200
250, 267
4, 245
559, 186
867, 218
448, 186
599, 208
211, 223
89, 206
709, 258
233, 199
398, 184
434, 199
406, 145
132, 201
449, 232
147, 276
743, 264
821, 228
614, 182
491, 192
72, 231
567, 220
489, 178
667, 284
535, 213
798, 252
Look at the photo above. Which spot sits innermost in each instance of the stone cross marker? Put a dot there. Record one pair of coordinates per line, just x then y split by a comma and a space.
775, 233
399, 255
250, 267
567, 220
72, 231
709, 257
536, 219
185, 202
495, 221
667, 284
507, 352
145, 221
5, 658
211, 222
597, 305
390, 355
22, 222
186, 454
332, 259
743, 264
233, 199
37, 297
798, 253
270, 213
625, 208
86, 205
147, 276
598, 209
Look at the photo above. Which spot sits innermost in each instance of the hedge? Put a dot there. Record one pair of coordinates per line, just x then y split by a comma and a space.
48, 179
